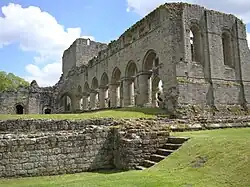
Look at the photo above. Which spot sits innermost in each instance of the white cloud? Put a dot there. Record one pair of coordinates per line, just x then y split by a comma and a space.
240, 8
46, 76
37, 31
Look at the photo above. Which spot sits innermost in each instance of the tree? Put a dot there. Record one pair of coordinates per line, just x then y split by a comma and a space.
11, 82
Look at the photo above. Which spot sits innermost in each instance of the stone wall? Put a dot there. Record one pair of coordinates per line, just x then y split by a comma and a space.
33, 99
48, 147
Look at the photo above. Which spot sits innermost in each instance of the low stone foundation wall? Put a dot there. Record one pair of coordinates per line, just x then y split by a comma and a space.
50, 147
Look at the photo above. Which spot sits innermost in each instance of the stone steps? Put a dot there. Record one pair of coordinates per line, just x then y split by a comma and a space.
172, 145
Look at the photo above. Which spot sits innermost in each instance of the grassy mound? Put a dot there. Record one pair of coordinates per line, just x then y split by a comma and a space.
211, 158
115, 113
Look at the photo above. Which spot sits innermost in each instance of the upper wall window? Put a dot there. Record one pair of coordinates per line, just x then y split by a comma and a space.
227, 49
196, 44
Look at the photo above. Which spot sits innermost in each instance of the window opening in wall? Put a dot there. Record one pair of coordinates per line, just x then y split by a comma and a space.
88, 41
196, 47
227, 49
47, 111
19, 109
156, 62
191, 35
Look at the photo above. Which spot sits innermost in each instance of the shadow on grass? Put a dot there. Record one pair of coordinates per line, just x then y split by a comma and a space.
107, 171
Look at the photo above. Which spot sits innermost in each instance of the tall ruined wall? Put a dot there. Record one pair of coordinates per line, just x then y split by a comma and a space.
33, 99
79, 53
36, 147
9, 100
153, 33
208, 81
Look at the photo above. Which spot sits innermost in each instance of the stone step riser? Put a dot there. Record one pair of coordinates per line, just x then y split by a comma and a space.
163, 152
176, 140
169, 146
148, 163
157, 158
172, 145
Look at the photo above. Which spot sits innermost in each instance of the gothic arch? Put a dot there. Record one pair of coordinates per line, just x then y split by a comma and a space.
148, 61
86, 87
94, 84
131, 69
116, 75
104, 79
196, 43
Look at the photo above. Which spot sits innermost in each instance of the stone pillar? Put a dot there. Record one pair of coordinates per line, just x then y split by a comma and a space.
127, 92
93, 103
85, 102
102, 95
75, 103
154, 97
145, 89
113, 88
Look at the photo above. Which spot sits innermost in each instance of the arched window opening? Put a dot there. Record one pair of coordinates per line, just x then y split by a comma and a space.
157, 92
196, 47
227, 49
68, 104
115, 93
88, 41
19, 109
131, 84
47, 111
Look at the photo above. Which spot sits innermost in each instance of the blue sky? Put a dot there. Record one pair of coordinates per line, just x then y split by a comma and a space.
35, 32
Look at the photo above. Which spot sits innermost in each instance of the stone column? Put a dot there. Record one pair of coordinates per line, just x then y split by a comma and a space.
154, 97
75, 103
145, 89
93, 103
113, 88
102, 95
126, 92
85, 102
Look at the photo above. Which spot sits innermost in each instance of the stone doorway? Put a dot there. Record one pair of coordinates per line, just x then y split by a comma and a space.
47, 111
19, 109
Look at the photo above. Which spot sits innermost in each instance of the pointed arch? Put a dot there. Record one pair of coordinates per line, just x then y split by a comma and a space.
149, 60
104, 79
116, 75
227, 48
94, 84
131, 69
86, 87
196, 43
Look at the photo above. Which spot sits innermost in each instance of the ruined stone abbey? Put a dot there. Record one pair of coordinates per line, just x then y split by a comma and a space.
180, 55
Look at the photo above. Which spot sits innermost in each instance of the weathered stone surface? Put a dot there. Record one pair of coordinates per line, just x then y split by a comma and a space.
210, 73
49, 148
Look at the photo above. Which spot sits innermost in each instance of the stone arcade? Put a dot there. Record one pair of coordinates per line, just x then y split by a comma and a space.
181, 54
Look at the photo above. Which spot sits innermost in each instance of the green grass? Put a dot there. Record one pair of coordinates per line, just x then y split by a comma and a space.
116, 113
227, 155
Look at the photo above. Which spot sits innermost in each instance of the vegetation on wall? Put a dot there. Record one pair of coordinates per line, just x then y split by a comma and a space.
11, 82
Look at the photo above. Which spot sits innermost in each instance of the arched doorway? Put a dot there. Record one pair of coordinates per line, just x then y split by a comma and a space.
19, 109
104, 91
47, 111
130, 85
116, 90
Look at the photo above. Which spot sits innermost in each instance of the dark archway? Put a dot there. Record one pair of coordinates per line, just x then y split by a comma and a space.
19, 109
47, 111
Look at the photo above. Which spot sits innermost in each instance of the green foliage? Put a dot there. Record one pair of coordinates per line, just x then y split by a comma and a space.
218, 158
11, 82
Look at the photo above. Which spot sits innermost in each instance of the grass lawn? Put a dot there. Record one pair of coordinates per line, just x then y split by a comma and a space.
115, 113
219, 158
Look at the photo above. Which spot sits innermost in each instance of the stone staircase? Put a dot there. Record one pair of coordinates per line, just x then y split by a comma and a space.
172, 144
